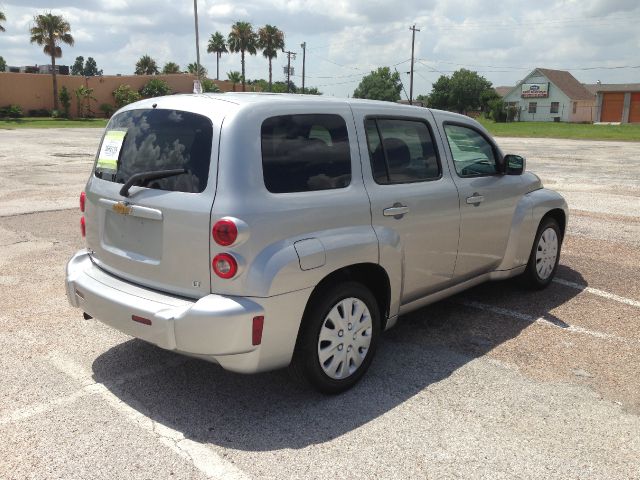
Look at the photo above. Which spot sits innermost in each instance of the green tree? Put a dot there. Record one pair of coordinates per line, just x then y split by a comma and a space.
218, 46
124, 95
439, 96
3, 64
463, 92
242, 39
380, 85
270, 40
3, 18
65, 100
312, 91
170, 67
91, 68
193, 69
84, 95
78, 66
49, 31
146, 66
235, 78
155, 88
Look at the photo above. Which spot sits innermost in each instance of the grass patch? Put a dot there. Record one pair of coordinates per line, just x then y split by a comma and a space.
576, 131
28, 122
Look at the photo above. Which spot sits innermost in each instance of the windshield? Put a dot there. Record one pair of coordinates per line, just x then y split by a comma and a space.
140, 141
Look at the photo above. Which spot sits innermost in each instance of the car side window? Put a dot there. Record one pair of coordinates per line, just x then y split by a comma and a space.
473, 155
401, 151
304, 153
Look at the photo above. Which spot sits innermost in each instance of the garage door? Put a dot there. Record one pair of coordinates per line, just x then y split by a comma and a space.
612, 104
634, 108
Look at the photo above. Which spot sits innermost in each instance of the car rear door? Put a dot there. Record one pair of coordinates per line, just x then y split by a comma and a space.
157, 234
414, 203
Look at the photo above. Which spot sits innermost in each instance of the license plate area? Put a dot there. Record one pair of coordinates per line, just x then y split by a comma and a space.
132, 237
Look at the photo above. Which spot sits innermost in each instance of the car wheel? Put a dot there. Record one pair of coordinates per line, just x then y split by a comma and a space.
545, 254
338, 337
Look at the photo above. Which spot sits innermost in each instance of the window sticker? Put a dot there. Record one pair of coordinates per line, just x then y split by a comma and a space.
110, 151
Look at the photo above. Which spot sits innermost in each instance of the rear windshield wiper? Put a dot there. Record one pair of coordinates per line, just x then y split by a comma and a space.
146, 176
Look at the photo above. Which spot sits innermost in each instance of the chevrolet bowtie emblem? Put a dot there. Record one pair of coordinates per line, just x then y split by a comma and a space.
122, 208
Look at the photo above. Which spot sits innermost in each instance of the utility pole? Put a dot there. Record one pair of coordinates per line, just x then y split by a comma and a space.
413, 43
195, 10
304, 51
289, 55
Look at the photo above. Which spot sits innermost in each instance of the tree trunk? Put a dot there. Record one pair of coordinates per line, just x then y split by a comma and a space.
270, 74
242, 58
55, 79
217, 65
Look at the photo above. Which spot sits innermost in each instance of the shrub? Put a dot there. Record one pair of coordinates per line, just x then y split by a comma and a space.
40, 112
497, 111
155, 88
65, 100
124, 95
11, 111
210, 86
107, 109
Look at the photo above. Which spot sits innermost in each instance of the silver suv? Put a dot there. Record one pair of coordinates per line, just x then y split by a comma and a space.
259, 231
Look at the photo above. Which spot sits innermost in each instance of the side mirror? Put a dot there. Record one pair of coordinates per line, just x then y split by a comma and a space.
515, 164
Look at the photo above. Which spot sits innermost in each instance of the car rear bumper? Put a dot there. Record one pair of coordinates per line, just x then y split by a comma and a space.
215, 327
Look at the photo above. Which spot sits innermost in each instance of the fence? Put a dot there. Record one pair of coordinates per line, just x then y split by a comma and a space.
35, 91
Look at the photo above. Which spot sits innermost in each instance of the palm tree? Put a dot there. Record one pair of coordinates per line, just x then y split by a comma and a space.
235, 78
242, 39
49, 31
146, 66
3, 18
170, 67
218, 46
270, 40
193, 68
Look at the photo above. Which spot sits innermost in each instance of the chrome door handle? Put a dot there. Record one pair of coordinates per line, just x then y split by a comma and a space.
475, 199
398, 210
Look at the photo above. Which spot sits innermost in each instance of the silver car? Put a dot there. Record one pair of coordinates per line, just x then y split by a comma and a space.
260, 231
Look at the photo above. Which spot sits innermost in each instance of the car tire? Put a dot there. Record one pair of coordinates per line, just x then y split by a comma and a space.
338, 338
544, 257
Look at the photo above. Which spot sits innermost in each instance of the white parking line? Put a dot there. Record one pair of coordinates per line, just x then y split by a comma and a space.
540, 320
600, 293
200, 455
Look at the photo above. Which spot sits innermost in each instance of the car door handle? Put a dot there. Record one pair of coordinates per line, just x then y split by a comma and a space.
475, 199
395, 211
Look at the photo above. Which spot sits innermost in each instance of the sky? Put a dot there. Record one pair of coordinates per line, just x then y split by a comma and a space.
346, 39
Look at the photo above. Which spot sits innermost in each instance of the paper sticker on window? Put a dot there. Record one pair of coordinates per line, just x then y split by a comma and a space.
110, 151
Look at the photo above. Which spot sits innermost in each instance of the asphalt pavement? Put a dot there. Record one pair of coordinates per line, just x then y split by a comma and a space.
496, 382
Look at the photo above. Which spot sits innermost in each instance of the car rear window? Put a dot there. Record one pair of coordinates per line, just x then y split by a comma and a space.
140, 141
303, 153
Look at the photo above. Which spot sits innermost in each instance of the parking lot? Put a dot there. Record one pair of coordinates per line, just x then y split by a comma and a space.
496, 382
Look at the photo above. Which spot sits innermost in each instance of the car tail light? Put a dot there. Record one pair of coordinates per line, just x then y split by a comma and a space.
83, 227
256, 331
224, 265
83, 198
225, 232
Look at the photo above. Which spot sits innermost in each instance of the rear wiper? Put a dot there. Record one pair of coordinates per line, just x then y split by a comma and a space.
146, 176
